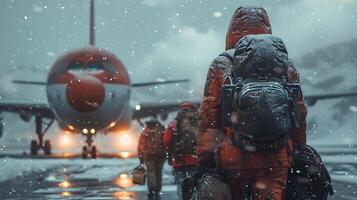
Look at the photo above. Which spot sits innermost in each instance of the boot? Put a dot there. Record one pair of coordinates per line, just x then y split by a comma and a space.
158, 195
151, 195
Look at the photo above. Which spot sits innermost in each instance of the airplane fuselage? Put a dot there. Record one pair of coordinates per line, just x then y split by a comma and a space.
89, 91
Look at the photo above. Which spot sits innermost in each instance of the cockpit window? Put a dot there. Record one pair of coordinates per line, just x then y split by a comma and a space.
94, 67
75, 67
88, 67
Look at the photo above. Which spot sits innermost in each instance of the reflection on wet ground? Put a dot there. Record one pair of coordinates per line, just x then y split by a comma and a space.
98, 179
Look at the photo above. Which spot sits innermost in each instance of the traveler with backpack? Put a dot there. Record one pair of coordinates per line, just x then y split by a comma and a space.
153, 154
181, 140
253, 112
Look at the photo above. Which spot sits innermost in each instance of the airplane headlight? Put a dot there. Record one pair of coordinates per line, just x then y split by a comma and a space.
85, 131
92, 131
137, 107
125, 140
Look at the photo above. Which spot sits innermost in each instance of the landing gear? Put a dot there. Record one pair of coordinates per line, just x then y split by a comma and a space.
34, 147
89, 150
47, 148
40, 132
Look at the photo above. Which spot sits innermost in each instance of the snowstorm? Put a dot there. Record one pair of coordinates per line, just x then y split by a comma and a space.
154, 41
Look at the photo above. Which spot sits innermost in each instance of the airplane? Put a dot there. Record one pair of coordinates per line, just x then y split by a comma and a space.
88, 92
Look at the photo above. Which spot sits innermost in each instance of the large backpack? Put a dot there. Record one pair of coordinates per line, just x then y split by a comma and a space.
308, 177
154, 141
257, 99
184, 141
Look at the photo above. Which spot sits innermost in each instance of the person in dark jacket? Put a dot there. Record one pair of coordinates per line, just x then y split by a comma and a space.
263, 175
153, 154
181, 140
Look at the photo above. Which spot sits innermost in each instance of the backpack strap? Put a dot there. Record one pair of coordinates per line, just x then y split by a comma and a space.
229, 55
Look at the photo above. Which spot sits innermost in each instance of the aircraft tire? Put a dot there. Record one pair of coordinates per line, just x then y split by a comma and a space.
34, 147
84, 152
47, 147
94, 152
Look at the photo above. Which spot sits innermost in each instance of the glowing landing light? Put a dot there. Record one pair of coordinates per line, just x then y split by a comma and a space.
92, 130
85, 131
125, 139
64, 184
137, 107
65, 140
124, 154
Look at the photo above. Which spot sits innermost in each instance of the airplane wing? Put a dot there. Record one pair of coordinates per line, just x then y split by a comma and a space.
29, 82
312, 99
154, 109
159, 83
26, 82
31, 108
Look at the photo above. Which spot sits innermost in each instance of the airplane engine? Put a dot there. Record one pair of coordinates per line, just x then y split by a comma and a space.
25, 117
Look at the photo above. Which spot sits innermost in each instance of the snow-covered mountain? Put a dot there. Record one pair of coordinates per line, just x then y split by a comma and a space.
327, 70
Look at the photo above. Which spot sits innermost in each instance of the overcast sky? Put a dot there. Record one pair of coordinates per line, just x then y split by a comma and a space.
160, 38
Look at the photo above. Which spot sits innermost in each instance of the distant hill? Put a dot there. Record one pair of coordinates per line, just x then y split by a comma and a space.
326, 70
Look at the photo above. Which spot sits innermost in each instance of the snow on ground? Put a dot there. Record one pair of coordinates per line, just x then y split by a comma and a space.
100, 169
342, 167
11, 167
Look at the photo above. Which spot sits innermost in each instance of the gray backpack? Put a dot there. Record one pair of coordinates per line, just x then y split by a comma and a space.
257, 99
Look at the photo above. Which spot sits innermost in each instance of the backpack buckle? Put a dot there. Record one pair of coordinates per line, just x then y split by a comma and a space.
262, 77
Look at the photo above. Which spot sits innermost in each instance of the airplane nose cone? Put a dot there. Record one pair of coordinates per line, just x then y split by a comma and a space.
85, 93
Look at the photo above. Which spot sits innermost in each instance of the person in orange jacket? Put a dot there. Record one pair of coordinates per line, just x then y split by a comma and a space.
262, 175
180, 139
152, 154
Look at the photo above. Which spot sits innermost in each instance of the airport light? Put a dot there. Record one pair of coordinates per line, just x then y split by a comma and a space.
92, 130
70, 127
137, 107
111, 125
85, 131
65, 184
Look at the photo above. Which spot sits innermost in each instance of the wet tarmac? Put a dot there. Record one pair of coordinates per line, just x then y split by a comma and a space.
79, 179
110, 179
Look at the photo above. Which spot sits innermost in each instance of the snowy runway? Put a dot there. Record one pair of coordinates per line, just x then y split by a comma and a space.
73, 179
106, 179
